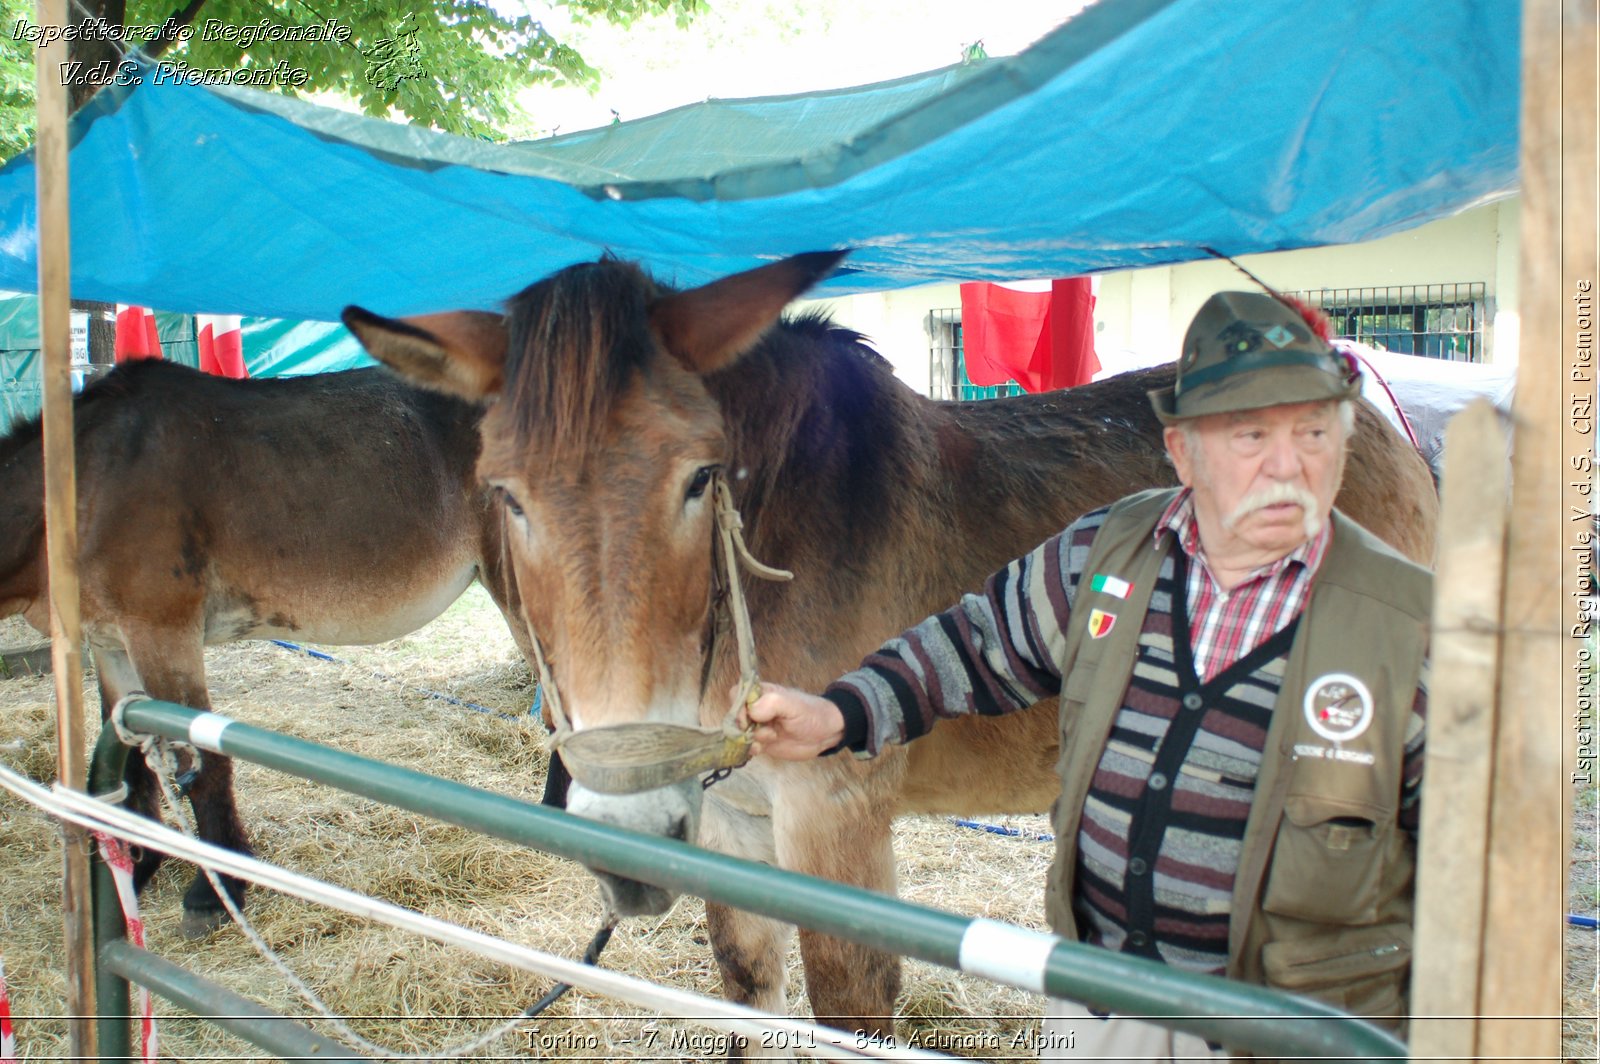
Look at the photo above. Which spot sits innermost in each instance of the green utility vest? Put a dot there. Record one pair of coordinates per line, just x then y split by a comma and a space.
1322, 902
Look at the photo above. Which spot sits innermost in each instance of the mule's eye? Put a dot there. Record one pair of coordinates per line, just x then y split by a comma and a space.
701, 481
509, 501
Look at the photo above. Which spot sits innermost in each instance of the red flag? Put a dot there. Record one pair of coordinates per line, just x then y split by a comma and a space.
221, 344
999, 329
1072, 359
136, 334
1041, 340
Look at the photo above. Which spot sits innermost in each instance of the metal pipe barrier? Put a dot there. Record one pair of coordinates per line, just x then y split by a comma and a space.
234, 1013
1238, 1015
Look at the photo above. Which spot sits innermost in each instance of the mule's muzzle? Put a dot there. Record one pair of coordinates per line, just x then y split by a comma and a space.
668, 812
629, 897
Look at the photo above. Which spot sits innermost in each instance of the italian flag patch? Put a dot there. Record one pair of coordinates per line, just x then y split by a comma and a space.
1100, 623
1114, 586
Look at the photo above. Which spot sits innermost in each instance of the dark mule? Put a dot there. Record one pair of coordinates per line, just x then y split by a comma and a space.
613, 402
340, 508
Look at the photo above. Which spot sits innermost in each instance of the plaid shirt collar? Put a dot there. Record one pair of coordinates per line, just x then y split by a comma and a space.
1179, 517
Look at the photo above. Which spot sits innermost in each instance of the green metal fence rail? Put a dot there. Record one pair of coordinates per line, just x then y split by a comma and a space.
1234, 1014
253, 1022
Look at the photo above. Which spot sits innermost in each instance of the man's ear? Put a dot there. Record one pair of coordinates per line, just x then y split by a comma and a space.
461, 353
1178, 450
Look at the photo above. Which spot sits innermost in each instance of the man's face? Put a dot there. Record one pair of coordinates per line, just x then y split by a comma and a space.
1263, 480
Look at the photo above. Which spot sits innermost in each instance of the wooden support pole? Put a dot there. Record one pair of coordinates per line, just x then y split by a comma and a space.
61, 514
1465, 657
1520, 1002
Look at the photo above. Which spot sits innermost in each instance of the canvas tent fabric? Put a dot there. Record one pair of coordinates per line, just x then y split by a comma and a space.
1140, 133
274, 348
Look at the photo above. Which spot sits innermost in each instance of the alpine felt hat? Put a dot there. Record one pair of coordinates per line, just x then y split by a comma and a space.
1247, 350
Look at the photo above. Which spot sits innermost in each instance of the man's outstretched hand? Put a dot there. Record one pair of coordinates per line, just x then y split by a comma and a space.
792, 725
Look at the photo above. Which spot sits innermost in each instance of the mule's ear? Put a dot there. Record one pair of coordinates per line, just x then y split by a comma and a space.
706, 328
461, 353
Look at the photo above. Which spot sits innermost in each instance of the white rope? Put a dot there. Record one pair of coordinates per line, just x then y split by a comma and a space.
162, 762
78, 808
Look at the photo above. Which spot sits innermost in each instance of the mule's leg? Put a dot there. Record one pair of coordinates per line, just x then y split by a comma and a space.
750, 950
172, 667
117, 678
838, 829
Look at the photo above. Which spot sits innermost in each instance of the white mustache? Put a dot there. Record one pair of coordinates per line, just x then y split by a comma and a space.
1278, 493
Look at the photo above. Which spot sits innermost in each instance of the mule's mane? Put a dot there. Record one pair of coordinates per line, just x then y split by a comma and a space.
809, 385
21, 434
575, 340
817, 427
125, 378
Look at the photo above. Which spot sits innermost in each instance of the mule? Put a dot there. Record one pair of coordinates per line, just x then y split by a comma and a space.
614, 402
340, 508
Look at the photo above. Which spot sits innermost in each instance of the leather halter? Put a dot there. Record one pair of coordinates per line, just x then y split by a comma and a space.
625, 758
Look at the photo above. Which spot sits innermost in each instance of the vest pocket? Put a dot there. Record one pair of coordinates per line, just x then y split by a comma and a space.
1327, 862
1361, 971
1078, 684
1076, 687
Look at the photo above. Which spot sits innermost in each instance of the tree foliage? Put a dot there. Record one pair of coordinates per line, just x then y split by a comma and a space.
16, 83
454, 65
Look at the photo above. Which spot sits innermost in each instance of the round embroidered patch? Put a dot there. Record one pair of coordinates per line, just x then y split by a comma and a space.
1338, 707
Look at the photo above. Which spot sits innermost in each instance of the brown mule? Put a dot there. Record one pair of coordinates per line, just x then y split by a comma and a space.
615, 400
341, 508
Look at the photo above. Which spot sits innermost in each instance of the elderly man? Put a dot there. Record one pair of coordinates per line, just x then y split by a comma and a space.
1241, 675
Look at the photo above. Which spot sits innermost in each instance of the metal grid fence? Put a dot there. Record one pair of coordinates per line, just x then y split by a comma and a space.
947, 364
1435, 320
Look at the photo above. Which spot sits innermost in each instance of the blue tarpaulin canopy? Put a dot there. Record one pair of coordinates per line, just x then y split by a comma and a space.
1140, 133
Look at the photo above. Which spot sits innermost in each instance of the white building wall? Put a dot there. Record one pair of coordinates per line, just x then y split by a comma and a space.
1141, 315
1503, 342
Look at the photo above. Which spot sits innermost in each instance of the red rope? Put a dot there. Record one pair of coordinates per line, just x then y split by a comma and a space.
1349, 350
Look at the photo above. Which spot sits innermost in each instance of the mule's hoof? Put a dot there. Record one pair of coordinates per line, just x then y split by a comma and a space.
199, 923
